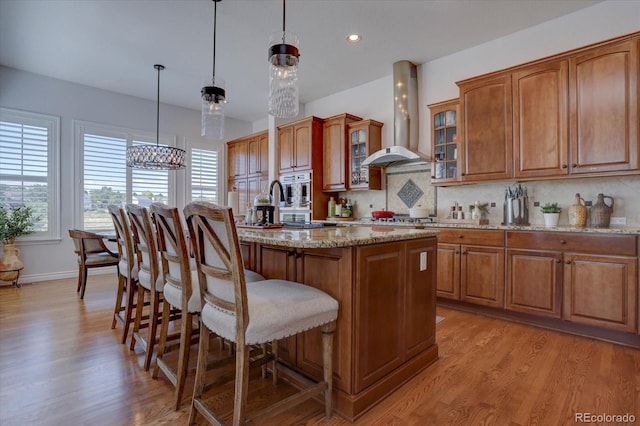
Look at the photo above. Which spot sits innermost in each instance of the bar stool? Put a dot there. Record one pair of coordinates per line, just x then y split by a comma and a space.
127, 271
251, 313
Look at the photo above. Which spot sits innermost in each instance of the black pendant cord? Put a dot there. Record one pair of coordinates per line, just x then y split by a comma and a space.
284, 16
215, 11
158, 67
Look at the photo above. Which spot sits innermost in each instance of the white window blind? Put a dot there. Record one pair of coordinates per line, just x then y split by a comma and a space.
204, 175
29, 165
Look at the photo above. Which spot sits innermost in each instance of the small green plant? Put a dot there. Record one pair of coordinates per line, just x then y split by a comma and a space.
550, 208
15, 222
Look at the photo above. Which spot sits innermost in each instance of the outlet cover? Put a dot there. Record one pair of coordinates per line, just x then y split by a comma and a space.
618, 221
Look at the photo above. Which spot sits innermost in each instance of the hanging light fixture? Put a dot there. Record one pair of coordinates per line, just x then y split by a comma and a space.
156, 156
283, 72
213, 97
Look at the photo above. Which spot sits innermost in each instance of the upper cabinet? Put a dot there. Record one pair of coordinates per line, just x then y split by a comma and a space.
364, 138
486, 129
540, 120
300, 145
237, 158
444, 125
604, 99
336, 152
570, 115
258, 148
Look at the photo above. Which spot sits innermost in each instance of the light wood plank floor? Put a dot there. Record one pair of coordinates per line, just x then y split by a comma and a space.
61, 364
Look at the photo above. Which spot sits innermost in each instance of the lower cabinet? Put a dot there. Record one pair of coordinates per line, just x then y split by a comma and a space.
471, 266
601, 291
583, 278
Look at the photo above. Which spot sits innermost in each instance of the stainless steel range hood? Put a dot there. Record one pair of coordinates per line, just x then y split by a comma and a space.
405, 121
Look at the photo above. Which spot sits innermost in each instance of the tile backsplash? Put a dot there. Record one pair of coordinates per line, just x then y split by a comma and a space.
406, 183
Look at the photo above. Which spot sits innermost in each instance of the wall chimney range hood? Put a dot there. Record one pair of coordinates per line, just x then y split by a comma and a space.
405, 121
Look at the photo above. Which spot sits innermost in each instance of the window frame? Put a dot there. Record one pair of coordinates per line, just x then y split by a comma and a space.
52, 124
80, 128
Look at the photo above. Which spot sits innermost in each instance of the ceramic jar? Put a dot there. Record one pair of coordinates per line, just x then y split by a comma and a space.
10, 265
578, 213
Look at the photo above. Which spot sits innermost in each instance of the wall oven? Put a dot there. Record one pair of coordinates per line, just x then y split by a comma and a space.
297, 206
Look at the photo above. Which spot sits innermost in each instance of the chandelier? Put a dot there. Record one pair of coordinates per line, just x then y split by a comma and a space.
213, 97
283, 72
156, 156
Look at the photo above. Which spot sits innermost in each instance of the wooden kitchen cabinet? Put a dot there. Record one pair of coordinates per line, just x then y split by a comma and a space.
444, 137
258, 154
471, 266
486, 128
601, 291
534, 282
541, 120
298, 143
593, 278
364, 138
248, 167
603, 96
335, 150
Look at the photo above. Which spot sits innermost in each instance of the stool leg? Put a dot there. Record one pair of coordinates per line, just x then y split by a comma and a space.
201, 371
327, 366
162, 341
119, 295
242, 384
183, 357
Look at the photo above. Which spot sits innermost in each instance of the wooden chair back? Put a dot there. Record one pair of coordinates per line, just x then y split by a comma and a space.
144, 239
124, 238
220, 267
173, 250
86, 242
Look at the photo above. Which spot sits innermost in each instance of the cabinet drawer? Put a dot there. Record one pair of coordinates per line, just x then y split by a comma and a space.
622, 245
471, 236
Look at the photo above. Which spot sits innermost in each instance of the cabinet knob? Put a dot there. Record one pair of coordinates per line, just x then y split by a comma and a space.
564, 166
563, 241
463, 174
558, 260
460, 236
568, 262
433, 177
574, 165
464, 252
457, 252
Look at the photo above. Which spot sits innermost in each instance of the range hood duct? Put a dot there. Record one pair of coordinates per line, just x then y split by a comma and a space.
405, 121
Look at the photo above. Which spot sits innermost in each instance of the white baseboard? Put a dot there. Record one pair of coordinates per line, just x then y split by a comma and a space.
34, 278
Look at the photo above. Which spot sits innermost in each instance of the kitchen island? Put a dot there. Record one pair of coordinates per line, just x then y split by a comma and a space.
385, 282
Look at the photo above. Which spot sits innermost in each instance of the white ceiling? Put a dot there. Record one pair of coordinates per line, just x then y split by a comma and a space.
113, 44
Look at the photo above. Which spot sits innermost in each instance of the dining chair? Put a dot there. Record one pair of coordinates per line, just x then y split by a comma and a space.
251, 313
149, 282
127, 271
92, 253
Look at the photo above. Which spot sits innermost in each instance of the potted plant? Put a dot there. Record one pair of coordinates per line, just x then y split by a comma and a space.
551, 213
14, 222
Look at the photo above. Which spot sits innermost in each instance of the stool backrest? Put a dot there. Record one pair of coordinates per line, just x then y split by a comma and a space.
124, 238
173, 250
144, 239
219, 260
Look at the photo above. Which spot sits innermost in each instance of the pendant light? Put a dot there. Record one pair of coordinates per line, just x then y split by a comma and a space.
213, 97
156, 156
283, 72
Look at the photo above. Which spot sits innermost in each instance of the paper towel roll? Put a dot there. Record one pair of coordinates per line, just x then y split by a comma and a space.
232, 201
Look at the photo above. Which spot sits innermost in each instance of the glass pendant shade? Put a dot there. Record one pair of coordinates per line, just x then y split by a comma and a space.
156, 156
283, 75
213, 100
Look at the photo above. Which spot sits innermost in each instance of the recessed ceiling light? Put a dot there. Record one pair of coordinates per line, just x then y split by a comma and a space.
354, 38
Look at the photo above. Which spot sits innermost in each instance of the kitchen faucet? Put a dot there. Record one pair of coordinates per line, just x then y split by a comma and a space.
274, 183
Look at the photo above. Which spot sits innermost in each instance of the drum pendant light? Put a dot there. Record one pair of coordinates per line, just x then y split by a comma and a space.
213, 97
283, 72
156, 156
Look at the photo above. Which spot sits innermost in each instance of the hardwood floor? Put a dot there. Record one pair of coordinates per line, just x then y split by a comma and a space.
61, 364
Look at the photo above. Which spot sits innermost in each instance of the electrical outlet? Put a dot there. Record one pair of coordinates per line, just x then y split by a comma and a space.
618, 221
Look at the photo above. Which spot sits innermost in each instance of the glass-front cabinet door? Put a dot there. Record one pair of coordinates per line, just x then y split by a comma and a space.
444, 122
365, 138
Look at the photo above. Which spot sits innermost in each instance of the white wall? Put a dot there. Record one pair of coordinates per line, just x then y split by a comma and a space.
35, 93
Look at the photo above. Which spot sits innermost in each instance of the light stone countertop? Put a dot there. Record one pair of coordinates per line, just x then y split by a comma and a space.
612, 230
329, 237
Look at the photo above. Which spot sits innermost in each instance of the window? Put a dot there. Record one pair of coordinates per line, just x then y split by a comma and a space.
106, 179
203, 166
29, 163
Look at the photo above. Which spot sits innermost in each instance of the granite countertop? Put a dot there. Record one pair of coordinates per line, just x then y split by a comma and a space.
613, 230
329, 237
